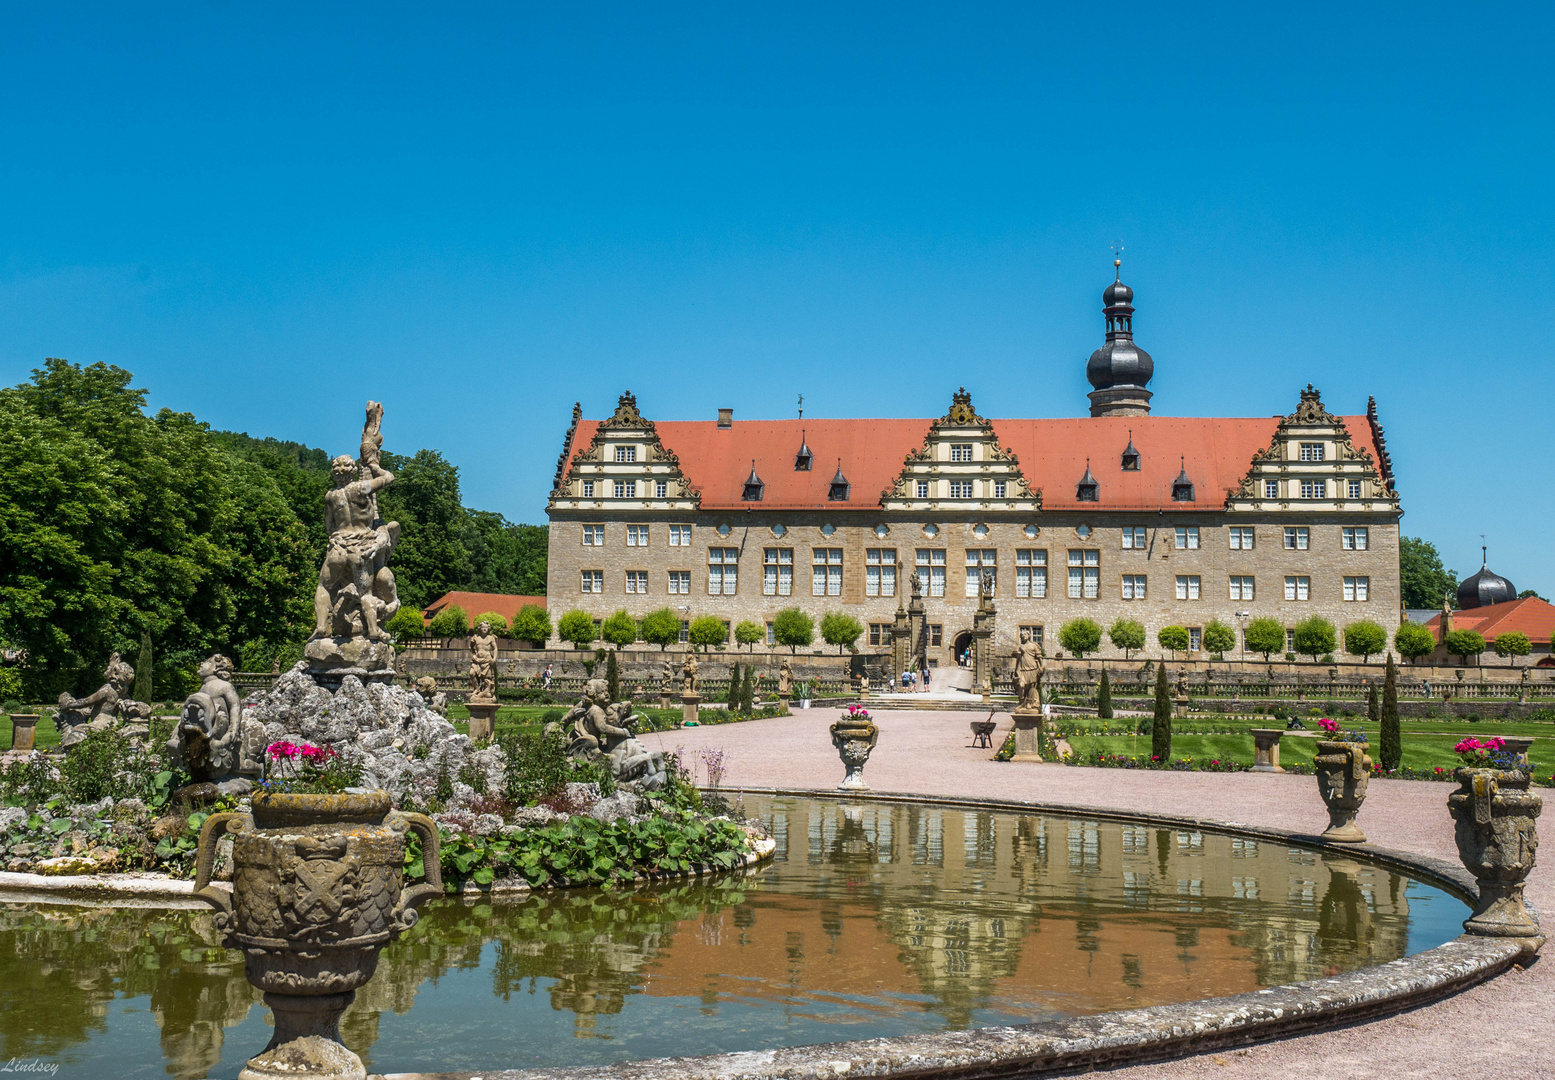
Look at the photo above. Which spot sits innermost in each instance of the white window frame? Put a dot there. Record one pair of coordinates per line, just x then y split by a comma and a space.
1240, 538
1271, 489
1189, 587
960, 451
591, 582
1314, 489
1243, 586
1297, 538
593, 536
1031, 573
626, 454
1000, 489
1298, 587
637, 536
661, 489
961, 489
1186, 537
1310, 451
1354, 488
1134, 586
680, 536
680, 582
623, 489
825, 571
1135, 538
637, 582
588, 489
930, 565
1357, 590
685, 631
723, 571
1356, 537
980, 561
879, 571
923, 489
777, 571
1195, 638
1084, 574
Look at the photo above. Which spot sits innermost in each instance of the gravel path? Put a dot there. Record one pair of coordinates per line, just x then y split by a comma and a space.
1506, 1026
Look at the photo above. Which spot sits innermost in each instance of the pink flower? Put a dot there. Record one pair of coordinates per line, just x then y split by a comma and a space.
1330, 726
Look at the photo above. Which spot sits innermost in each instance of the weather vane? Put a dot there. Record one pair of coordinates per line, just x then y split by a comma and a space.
1117, 257
801, 406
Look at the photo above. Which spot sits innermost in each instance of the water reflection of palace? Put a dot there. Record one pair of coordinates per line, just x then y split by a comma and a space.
867, 911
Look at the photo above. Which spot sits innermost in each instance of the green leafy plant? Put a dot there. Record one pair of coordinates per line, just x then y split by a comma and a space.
1413, 641
1128, 635
748, 633
1265, 635
841, 630
1174, 638
1161, 727
660, 627
1104, 697
1391, 749
1219, 638
531, 624
1080, 636
1465, 644
407, 624
451, 621
1365, 639
794, 628
619, 629
1512, 644
1315, 636
499, 625
707, 631
577, 627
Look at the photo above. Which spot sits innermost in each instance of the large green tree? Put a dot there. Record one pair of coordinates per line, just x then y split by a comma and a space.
1421, 573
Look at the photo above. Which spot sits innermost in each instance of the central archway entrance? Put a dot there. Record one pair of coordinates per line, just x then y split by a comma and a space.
962, 648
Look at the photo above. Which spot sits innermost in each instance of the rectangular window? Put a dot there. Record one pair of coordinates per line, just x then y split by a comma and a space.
1035, 632
880, 633
637, 536
1311, 451
1031, 574
1084, 573
626, 453
936, 634
593, 536
999, 488
680, 582
661, 489
1314, 489
1241, 588
880, 572
637, 581
1298, 588
723, 571
1356, 539
680, 536
1290, 640
1357, 588
1195, 638
1187, 537
771, 635
1133, 586
1354, 488
961, 489
1241, 538
1271, 489
923, 489
960, 451
1134, 537
593, 581
980, 563
685, 631
930, 564
588, 489
1187, 586
777, 572
1296, 538
826, 572
625, 489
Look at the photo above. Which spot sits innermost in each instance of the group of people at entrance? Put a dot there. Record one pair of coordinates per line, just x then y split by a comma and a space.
916, 681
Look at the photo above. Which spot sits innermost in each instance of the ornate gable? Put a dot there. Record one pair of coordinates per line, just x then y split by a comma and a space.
1311, 464
960, 466
625, 466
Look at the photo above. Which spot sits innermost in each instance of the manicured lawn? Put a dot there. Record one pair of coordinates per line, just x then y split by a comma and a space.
44, 735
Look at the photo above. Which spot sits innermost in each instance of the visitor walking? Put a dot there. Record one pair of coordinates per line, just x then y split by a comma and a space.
545, 680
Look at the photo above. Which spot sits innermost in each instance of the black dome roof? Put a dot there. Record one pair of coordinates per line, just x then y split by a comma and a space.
1119, 362
1485, 588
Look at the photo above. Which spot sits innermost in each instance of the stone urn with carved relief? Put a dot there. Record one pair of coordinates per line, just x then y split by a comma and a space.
1495, 822
1343, 769
317, 892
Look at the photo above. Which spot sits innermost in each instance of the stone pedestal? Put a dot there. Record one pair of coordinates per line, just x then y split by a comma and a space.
783, 700
688, 707
24, 730
1266, 749
1180, 706
1028, 734
1515, 744
483, 715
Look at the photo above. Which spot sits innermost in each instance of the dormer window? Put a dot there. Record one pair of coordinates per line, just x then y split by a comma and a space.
1087, 489
626, 453
1182, 487
753, 486
803, 459
1130, 456
839, 486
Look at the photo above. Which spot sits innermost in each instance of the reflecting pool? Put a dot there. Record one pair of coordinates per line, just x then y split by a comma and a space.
870, 920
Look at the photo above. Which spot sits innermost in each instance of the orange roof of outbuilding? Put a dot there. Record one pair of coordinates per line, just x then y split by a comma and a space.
1216, 453
1530, 615
480, 603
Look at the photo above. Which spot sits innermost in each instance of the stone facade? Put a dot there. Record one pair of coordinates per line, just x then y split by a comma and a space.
743, 558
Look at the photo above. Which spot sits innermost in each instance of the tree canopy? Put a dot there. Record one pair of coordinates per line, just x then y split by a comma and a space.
793, 628
1265, 635
1080, 636
1421, 574
1413, 640
1365, 639
1315, 636
1128, 635
840, 629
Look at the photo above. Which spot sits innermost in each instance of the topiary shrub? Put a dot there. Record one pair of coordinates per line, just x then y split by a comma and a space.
449, 622
499, 625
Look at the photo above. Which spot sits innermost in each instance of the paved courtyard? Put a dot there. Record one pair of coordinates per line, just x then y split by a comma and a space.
1504, 1026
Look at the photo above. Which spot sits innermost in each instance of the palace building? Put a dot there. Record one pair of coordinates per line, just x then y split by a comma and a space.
1163, 520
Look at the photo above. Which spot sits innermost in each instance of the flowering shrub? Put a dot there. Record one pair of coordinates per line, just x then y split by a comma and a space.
302, 768
1332, 729
1145, 761
1486, 754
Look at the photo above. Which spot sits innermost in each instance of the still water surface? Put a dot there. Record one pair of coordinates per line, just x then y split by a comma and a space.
870, 921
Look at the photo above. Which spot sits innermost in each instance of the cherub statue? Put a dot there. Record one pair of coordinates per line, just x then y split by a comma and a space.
99, 709
483, 664
212, 741
356, 593
602, 729
688, 673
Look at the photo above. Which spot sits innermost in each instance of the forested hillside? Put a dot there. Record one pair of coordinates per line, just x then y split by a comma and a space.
115, 524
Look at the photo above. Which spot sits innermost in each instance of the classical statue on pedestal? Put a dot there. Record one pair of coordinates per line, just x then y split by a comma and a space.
1028, 672
785, 679
483, 665
688, 674
356, 593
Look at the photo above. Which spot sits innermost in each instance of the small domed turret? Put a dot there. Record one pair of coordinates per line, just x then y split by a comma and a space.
1485, 588
1119, 369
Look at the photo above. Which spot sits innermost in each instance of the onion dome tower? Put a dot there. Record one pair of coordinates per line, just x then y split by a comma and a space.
1119, 369
1485, 588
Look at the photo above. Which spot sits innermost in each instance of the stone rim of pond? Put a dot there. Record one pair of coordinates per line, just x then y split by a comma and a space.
1128, 1036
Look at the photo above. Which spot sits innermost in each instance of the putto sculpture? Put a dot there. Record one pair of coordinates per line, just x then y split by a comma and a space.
601, 729
212, 740
101, 709
356, 593
688, 674
483, 664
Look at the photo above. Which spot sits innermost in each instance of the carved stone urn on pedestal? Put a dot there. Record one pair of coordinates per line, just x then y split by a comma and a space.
317, 892
1495, 824
1343, 768
854, 736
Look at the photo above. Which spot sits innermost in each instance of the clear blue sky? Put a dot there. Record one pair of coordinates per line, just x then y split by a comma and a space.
480, 215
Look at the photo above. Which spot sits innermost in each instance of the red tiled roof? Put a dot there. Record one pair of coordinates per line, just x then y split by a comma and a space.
479, 603
1216, 452
1532, 616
